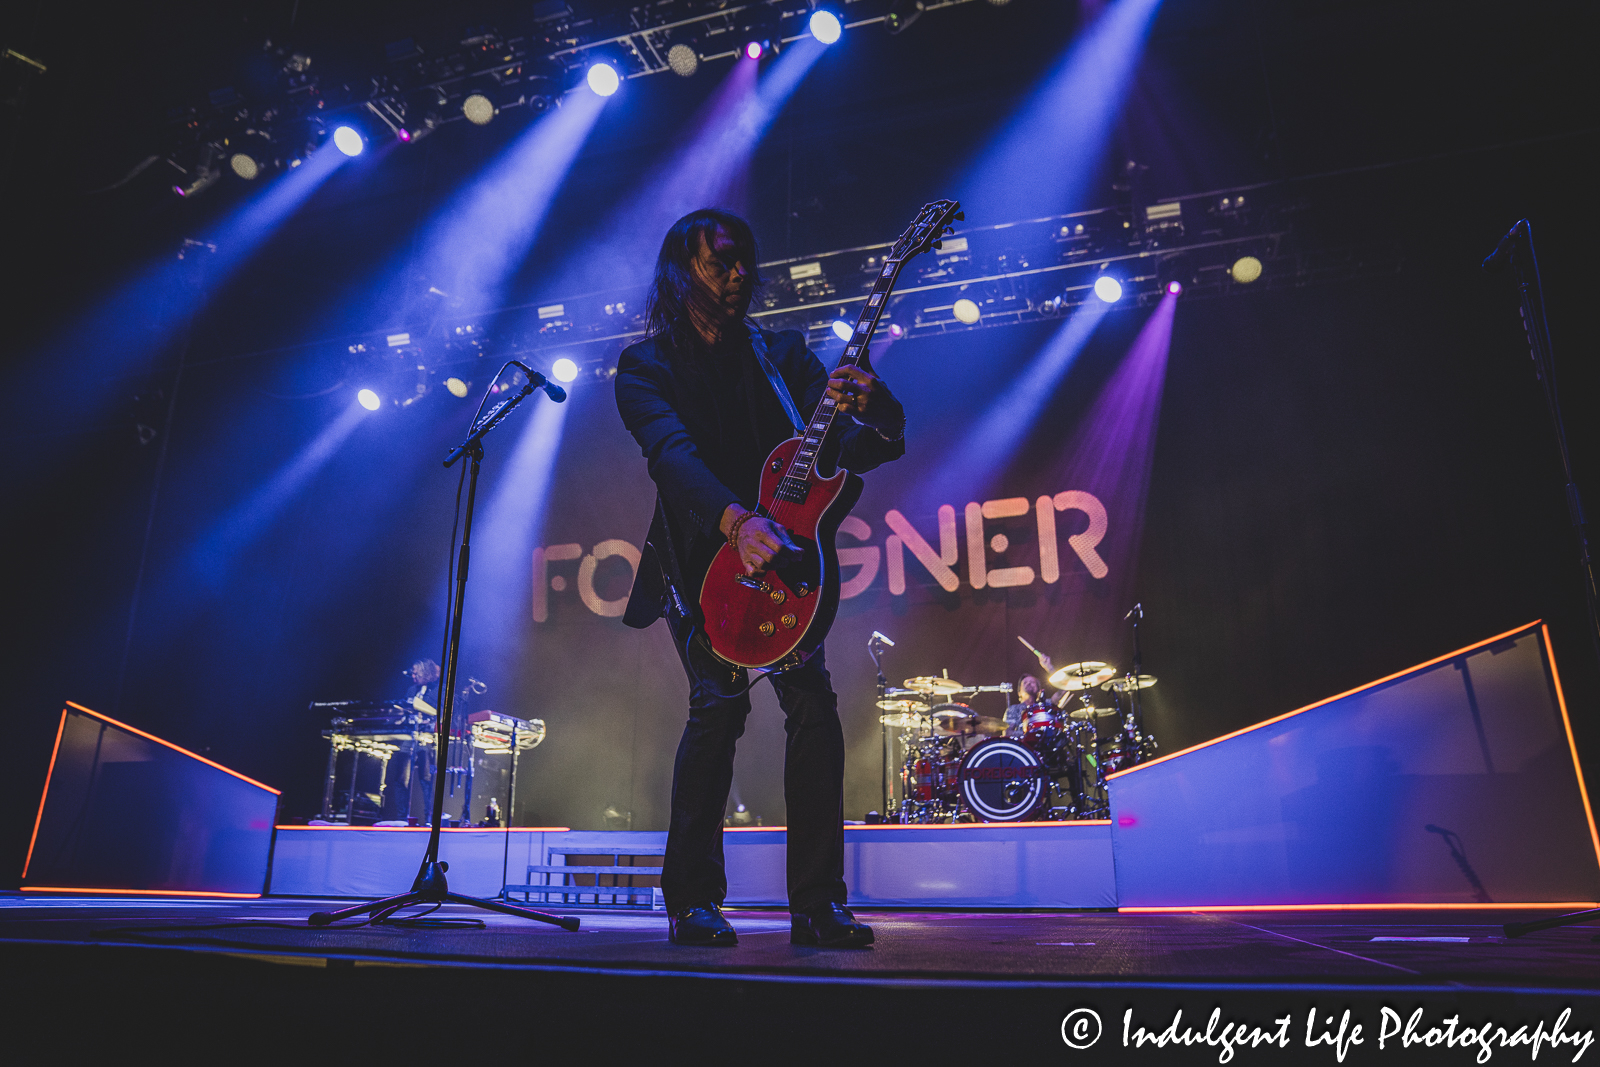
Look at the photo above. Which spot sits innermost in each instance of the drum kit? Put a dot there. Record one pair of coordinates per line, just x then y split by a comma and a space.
1044, 760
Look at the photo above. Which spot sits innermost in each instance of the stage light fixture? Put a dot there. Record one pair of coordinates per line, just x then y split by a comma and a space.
368, 399
843, 330
1245, 269
1174, 287
683, 60
902, 13
896, 330
966, 311
564, 370
456, 386
1108, 288
825, 26
349, 140
603, 79
753, 50
478, 109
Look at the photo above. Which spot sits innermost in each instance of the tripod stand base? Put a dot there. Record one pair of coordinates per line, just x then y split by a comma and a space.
431, 888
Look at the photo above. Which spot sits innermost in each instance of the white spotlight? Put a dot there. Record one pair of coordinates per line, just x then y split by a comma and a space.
966, 311
825, 26
368, 399
1246, 269
843, 330
457, 387
603, 79
348, 140
1108, 288
478, 109
564, 369
683, 60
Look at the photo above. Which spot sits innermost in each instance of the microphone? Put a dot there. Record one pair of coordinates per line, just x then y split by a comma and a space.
551, 389
876, 636
1516, 233
1136, 611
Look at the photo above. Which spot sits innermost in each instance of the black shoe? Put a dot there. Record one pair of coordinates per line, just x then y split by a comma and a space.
701, 924
829, 925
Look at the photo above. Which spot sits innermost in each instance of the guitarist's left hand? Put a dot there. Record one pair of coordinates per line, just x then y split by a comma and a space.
859, 393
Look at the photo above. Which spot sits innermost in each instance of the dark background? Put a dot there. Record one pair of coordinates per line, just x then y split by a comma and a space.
1349, 478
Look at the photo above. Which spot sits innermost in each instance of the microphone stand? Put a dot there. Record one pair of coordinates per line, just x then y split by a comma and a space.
1517, 245
430, 886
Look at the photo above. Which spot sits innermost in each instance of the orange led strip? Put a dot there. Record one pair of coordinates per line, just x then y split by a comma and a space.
1329, 700
61, 728
175, 748
140, 892
1568, 905
1566, 722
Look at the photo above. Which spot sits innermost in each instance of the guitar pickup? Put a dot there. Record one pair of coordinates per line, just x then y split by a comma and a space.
749, 582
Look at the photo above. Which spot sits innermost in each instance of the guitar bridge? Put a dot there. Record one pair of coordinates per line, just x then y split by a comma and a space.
748, 582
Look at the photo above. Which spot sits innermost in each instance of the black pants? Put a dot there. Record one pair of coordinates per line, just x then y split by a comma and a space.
813, 781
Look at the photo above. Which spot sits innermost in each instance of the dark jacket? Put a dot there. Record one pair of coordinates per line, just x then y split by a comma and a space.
676, 424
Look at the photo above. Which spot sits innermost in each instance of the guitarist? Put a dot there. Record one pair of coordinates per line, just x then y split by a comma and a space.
696, 396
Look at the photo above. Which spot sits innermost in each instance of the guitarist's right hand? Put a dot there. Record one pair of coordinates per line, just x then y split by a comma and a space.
761, 541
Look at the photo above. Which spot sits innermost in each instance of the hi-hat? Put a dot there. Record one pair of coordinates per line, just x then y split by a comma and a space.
929, 683
1122, 685
1083, 675
903, 704
904, 720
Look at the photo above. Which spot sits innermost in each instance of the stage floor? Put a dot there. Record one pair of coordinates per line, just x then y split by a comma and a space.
936, 981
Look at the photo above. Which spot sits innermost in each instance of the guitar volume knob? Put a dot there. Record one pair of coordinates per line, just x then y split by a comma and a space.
778, 596
767, 629
790, 621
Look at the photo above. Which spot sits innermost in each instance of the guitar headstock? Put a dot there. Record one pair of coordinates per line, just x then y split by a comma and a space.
928, 229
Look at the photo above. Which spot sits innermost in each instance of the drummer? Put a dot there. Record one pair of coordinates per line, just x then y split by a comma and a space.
1028, 690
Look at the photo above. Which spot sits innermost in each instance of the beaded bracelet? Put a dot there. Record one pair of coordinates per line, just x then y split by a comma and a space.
733, 533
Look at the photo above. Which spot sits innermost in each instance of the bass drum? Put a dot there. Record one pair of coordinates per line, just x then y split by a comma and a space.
1003, 781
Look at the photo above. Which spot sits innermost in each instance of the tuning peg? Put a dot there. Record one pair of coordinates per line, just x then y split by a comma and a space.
961, 216
938, 245
949, 229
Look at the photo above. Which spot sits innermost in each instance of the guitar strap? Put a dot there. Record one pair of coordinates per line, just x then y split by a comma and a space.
759, 345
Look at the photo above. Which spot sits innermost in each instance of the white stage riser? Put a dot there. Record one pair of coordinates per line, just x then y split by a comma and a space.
1060, 865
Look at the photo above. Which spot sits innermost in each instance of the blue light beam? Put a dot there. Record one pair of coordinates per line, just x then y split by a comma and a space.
710, 169
217, 551
473, 249
980, 455
496, 611
1050, 152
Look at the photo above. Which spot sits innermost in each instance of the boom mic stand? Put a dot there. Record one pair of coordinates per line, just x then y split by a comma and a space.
430, 886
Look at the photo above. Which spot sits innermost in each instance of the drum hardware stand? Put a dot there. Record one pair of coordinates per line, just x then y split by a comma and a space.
875, 645
1517, 246
430, 886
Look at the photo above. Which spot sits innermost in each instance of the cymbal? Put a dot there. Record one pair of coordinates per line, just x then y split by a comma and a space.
953, 720
1087, 713
1122, 685
1082, 675
931, 684
904, 720
989, 725
903, 704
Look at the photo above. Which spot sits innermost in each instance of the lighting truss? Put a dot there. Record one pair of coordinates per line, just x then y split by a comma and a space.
420, 86
1015, 272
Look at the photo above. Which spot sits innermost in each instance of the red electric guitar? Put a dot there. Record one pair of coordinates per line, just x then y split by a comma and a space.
777, 619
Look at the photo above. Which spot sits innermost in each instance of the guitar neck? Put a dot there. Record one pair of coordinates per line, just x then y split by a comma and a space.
822, 419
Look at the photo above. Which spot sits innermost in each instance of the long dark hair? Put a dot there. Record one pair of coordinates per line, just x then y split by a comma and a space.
674, 290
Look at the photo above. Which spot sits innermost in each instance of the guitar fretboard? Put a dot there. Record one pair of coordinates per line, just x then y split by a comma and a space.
795, 480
